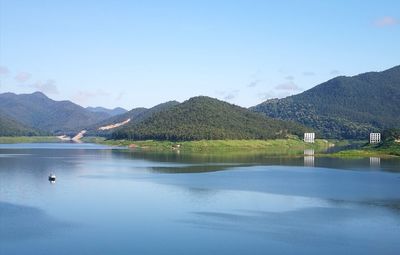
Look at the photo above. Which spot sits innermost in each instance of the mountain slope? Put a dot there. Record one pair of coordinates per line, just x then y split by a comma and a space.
135, 115
38, 111
206, 118
10, 127
343, 107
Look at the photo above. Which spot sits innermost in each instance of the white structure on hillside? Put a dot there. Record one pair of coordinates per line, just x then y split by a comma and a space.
374, 137
309, 137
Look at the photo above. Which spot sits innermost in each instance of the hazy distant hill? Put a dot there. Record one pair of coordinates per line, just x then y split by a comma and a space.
40, 112
344, 107
207, 118
136, 115
111, 112
10, 127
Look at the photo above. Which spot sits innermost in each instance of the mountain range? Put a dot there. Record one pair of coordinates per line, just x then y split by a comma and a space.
343, 107
38, 111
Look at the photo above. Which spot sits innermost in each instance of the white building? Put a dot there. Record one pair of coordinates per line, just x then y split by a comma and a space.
309, 137
374, 137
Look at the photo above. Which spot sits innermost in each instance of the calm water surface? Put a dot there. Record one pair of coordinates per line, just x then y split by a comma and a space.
116, 201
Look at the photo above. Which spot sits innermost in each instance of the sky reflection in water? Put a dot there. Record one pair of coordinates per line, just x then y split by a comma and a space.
119, 202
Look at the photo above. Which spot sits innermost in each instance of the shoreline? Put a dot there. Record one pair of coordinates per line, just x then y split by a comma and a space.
216, 145
273, 147
29, 139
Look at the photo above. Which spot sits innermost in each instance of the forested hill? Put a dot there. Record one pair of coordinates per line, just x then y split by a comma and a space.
38, 111
207, 118
10, 127
344, 107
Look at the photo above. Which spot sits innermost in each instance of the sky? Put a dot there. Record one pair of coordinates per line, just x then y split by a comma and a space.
141, 53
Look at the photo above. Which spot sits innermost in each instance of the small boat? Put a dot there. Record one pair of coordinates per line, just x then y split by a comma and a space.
52, 177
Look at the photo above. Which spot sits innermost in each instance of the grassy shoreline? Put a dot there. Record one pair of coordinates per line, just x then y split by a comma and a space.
28, 139
382, 150
290, 146
276, 145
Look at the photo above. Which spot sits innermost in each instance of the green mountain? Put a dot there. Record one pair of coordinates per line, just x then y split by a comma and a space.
206, 118
10, 127
343, 107
38, 111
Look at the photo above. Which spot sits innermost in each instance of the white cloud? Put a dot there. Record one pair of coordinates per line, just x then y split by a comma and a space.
386, 21
82, 97
288, 86
22, 77
308, 73
253, 83
335, 72
228, 94
120, 95
47, 87
254, 79
266, 95
4, 70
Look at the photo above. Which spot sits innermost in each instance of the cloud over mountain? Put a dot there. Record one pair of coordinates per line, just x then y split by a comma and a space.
48, 87
291, 86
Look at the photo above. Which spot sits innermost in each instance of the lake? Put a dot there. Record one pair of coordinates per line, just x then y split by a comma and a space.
117, 201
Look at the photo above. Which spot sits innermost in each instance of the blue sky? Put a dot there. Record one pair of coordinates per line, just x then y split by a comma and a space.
141, 53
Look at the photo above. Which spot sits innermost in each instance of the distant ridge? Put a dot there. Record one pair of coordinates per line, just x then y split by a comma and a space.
343, 107
38, 111
135, 116
111, 112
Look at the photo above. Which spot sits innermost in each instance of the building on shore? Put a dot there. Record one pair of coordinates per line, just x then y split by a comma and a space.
374, 137
309, 137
